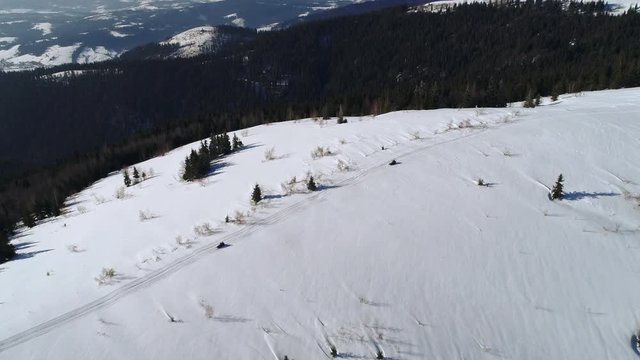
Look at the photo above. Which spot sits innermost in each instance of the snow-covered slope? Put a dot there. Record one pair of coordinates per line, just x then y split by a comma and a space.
415, 260
195, 41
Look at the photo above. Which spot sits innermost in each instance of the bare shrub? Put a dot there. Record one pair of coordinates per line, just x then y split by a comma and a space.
343, 166
416, 135
106, 276
97, 199
289, 187
204, 229
209, 312
121, 193
239, 217
480, 182
184, 243
82, 210
343, 141
145, 215
74, 248
320, 152
270, 154
507, 153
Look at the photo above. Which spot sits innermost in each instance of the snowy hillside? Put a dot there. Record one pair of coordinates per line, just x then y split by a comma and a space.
195, 41
414, 260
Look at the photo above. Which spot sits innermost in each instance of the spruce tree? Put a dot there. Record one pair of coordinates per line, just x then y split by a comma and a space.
127, 179
256, 196
237, 143
311, 185
7, 250
557, 191
136, 175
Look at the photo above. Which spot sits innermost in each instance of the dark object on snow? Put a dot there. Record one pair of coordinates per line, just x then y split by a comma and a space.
393, 162
558, 189
635, 344
222, 245
383, 148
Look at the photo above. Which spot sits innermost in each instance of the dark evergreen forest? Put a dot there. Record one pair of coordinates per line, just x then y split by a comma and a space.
57, 135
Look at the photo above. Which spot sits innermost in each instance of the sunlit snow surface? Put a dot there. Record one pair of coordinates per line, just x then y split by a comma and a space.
413, 259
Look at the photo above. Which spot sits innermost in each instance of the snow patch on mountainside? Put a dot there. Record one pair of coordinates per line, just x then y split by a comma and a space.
118, 34
13, 60
97, 54
414, 260
8, 39
45, 27
195, 41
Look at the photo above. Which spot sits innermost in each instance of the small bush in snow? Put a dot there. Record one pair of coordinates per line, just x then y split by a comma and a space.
379, 355
106, 275
343, 166
184, 243
97, 199
416, 135
121, 193
145, 215
203, 229
270, 154
343, 141
208, 309
320, 152
82, 210
480, 182
73, 248
239, 217
289, 187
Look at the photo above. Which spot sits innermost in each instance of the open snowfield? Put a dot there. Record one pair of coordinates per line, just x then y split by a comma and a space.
415, 260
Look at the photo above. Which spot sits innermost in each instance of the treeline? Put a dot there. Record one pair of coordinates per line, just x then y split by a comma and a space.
473, 55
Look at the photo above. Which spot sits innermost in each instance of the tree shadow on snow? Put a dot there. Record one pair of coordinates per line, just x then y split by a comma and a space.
27, 255
579, 195
217, 167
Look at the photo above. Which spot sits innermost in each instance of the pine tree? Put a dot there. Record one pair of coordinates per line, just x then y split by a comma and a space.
256, 196
557, 191
237, 143
136, 175
127, 179
7, 250
28, 220
311, 185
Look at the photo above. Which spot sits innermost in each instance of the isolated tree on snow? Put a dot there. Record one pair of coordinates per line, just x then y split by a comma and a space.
136, 175
311, 185
256, 196
127, 179
557, 191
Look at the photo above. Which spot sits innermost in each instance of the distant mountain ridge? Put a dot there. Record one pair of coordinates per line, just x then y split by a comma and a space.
190, 43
